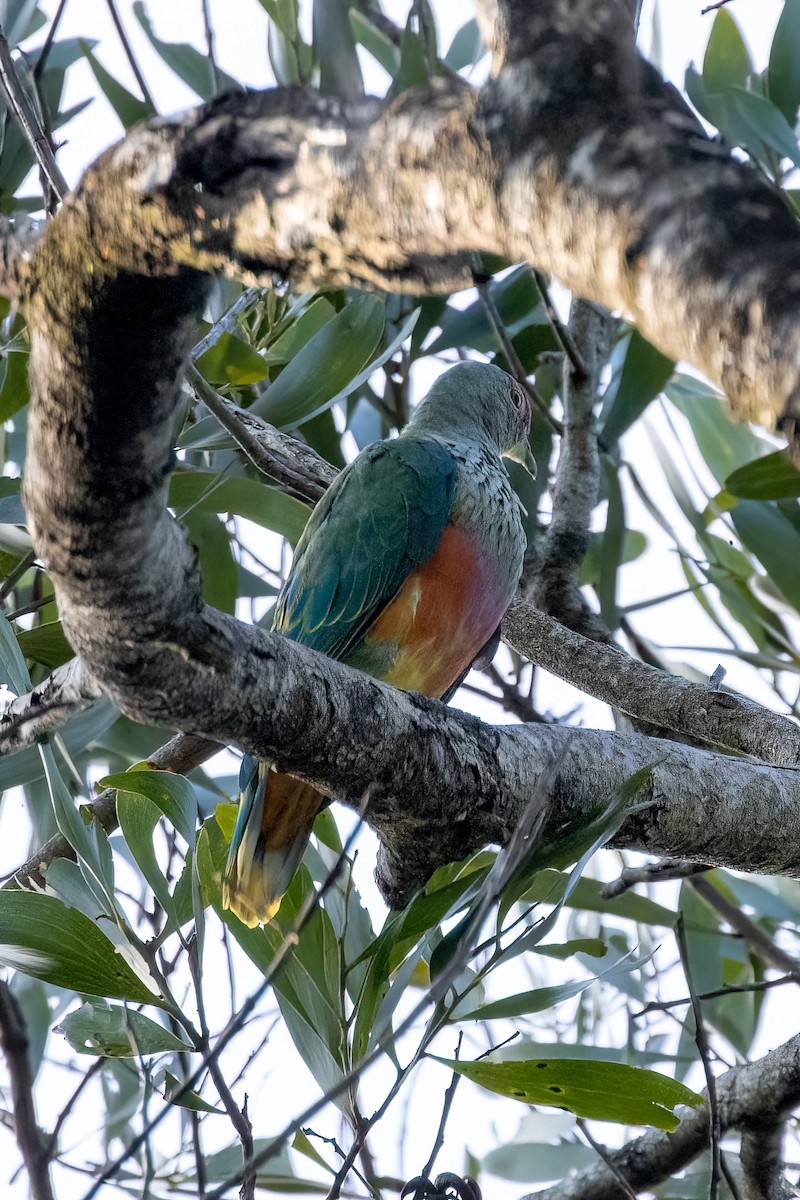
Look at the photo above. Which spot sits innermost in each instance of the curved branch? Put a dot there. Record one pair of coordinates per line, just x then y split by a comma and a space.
644, 693
399, 195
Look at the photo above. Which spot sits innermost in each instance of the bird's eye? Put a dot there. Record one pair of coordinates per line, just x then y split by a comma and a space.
517, 398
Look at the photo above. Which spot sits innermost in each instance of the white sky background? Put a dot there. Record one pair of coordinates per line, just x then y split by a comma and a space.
240, 28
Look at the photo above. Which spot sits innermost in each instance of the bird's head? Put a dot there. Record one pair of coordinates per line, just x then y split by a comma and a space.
479, 400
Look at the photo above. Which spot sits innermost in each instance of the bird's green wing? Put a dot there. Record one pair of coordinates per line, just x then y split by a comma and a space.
382, 517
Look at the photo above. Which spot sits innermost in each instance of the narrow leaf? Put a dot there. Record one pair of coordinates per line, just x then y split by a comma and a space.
598, 1090
40, 936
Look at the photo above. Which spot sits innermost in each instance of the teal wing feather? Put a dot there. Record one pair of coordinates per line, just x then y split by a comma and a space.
383, 516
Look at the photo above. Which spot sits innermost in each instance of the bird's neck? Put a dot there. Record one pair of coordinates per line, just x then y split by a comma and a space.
457, 432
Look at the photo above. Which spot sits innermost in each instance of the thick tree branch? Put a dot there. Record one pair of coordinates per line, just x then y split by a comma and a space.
770, 1086
558, 160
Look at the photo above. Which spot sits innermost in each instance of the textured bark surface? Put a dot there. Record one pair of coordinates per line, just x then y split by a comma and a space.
575, 156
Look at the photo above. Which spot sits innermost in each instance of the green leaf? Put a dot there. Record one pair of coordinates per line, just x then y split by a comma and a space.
765, 531
138, 818
518, 302
727, 61
466, 47
594, 947
334, 48
13, 670
190, 1100
291, 341
413, 69
187, 63
14, 392
604, 1091
754, 122
587, 895
783, 74
114, 1032
643, 375
327, 367
524, 1003
773, 477
46, 644
207, 491
129, 108
375, 42
40, 936
89, 842
219, 570
231, 361
301, 1143
613, 547
723, 443
173, 795
537, 1162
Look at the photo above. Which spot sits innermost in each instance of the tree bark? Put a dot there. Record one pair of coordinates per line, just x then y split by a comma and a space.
575, 156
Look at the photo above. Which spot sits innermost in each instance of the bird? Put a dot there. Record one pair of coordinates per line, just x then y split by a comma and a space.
404, 570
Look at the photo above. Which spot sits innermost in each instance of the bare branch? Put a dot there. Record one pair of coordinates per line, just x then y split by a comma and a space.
761, 1155
701, 712
657, 872
551, 579
33, 1144
704, 1050
284, 459
20, 105
30, 718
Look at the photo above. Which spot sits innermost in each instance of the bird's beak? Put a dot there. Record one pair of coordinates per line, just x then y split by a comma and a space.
522, 454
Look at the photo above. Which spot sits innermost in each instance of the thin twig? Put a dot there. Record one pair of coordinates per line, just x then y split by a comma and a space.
337, 1149
233, 1027
226, 323
523, 839
755, 937
704, 1050
41, 61
482, 283
561, 331
761, 985
131, 57
212, 62
238, 1116
52, 1145
282, 458
449, 1096
34, 1146
602, 1153
655, 872
20, 105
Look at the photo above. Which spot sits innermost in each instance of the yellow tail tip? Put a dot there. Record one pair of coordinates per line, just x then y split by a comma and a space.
250, 911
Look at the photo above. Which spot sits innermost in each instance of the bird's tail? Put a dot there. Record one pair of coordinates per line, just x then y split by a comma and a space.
276, 813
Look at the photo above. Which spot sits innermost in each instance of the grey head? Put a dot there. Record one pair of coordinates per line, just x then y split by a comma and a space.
478, 402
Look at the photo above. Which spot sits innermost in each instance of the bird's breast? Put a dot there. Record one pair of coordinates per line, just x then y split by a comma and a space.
444, 614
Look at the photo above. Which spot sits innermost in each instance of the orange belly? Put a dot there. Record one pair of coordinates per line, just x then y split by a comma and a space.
439, 621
